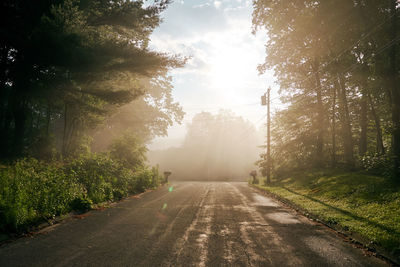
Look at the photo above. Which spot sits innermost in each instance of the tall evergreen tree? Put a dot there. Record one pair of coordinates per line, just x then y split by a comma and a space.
66, 60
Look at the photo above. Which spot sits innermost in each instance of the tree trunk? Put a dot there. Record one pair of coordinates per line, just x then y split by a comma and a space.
395, 90
5, 117
362, 147
19, 129
380, 148
48, 118
64, 142
38, 119
3, 79
5, 134
320, 118
19, 112
333, 127
345, 120
20, 99
71, 136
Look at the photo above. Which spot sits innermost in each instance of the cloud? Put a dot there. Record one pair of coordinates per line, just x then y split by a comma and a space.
224, 55
188, 20
201, 5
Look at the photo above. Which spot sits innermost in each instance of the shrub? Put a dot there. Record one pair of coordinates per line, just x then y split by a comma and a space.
379, 164
142, 179
31, 190
104, 178
129, 150
100, 177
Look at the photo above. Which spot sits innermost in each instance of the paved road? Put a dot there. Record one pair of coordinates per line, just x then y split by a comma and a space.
188, 224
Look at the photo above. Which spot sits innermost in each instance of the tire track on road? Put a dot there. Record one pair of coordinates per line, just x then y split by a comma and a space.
259, 237
192, 248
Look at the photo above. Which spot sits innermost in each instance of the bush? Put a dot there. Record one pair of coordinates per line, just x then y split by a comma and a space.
379, 164
129, 150
31, 190
104, 178
143, 179
100, 177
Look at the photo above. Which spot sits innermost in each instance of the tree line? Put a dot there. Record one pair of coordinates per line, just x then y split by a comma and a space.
337, 65
68, 66
221, 146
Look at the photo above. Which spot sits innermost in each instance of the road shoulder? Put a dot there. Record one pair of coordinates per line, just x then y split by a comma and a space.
351, 238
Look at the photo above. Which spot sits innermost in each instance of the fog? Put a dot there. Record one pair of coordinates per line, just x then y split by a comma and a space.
216, 147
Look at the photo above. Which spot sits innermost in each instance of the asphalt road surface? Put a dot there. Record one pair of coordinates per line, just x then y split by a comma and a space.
188, 224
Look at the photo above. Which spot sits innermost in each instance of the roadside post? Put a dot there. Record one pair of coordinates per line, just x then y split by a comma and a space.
166, 174
253, 173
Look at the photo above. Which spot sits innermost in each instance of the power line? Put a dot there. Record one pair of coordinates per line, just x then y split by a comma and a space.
356, 64
246, 131
358, 41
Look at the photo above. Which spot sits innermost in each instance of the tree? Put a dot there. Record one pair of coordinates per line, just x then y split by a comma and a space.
394, 84
148, 116
64, 64
330, 65
129, 150
216, 146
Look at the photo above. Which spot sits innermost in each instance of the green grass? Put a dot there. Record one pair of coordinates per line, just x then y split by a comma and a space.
365, 205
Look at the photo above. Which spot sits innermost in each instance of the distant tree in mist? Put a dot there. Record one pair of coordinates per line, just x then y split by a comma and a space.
220, 146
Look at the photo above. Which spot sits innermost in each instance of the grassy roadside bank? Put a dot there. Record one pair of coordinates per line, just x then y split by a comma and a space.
33, 192
366, 206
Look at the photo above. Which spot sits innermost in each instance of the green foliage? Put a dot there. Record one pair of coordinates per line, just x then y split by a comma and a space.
105, 178
379, 164
253, 180
338, 78
66, 66
71, 63
144, 178
96, 173
129, 150
149, 115
32, 191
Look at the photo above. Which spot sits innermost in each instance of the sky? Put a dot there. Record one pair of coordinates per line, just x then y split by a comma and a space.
222, 70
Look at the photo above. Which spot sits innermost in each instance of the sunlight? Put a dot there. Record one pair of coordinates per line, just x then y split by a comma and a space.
229, 67
222, 70
200, 133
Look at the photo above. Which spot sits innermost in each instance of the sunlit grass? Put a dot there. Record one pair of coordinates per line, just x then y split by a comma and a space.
367, 206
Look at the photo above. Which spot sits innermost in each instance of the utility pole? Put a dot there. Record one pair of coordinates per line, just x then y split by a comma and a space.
266, 101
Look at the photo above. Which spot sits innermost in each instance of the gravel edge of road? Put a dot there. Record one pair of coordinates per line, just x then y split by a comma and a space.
353, 239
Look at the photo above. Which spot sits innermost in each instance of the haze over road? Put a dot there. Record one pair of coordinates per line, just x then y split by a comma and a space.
188, 224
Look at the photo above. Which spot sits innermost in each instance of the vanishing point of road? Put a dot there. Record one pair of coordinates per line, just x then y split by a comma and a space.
188, 224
